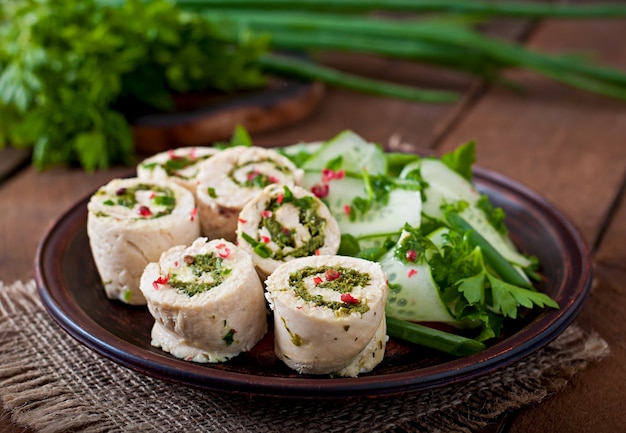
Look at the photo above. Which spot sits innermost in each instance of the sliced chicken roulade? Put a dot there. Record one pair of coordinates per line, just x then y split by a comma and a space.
130, 223
228, 180
207, 301
329, 314
180, 165
283, 223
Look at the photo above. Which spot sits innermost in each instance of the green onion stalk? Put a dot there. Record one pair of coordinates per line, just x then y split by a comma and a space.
436, 32
451, 44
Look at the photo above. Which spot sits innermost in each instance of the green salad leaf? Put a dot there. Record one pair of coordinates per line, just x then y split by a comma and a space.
461, 159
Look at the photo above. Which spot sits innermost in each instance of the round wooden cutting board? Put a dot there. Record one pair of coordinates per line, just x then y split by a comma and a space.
201, 119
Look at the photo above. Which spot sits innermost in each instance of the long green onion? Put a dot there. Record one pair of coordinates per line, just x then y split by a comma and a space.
509, 9
293, 66
433, 338
498, 263
443, 43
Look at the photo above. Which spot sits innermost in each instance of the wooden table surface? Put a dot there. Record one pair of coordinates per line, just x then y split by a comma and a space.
568, 145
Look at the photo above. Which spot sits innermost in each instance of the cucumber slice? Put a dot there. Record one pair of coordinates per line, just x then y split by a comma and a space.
447, 186
444, 185
478, 220
403, 207
295, 151
413, 295
356, 155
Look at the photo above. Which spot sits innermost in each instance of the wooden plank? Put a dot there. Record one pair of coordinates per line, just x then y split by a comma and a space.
376, 118
612, 248
30, 202
11, 159
567, 144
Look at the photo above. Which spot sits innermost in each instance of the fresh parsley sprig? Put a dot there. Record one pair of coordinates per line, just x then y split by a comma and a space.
474, 291
69, 70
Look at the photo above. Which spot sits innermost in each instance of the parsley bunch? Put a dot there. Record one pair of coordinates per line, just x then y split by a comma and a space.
69, 69
474, 290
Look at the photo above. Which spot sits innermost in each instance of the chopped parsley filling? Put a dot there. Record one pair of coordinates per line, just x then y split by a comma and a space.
208, 269
343, 281
163, 200
253, 177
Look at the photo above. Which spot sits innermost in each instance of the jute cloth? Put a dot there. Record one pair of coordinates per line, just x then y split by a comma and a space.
51, 383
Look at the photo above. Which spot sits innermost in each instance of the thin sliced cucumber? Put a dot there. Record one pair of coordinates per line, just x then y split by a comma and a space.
413, 293
478, 220
355, 154
403, 206
294, 151
443, 185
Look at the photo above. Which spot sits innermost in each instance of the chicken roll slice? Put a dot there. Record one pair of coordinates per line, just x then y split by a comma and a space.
130, 222
180, 165
329, 314
228, 180
207, 301
283, 223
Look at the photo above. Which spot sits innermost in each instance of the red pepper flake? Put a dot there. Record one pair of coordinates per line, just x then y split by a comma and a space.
265, 239
161, 280
252, 174
332, 274
176, 264
411, 255
120, 191
242, 221
349, 299
328, 174
152, 195
318, 252
320, 190
280, 198
274, 179
144, 211
412, 273
171, 154
192, 215
225, 253
347, 209
192, 153
219, 246
300, 307
266, 213
317, 280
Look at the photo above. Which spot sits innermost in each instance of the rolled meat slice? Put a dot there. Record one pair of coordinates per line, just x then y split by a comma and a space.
329, 314
180, 165
282, 223
228, 180
130, 222
207, 301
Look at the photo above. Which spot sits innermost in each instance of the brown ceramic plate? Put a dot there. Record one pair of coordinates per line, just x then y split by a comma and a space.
72, 293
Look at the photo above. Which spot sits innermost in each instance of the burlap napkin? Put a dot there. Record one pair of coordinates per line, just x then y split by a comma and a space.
50, 383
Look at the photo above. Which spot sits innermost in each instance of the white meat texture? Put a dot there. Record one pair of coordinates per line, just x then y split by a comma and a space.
317, 339
228, 180
287, 214
213, 325
124, 239
180, 165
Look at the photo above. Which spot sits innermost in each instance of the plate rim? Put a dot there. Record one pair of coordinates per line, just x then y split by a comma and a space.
535, 335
